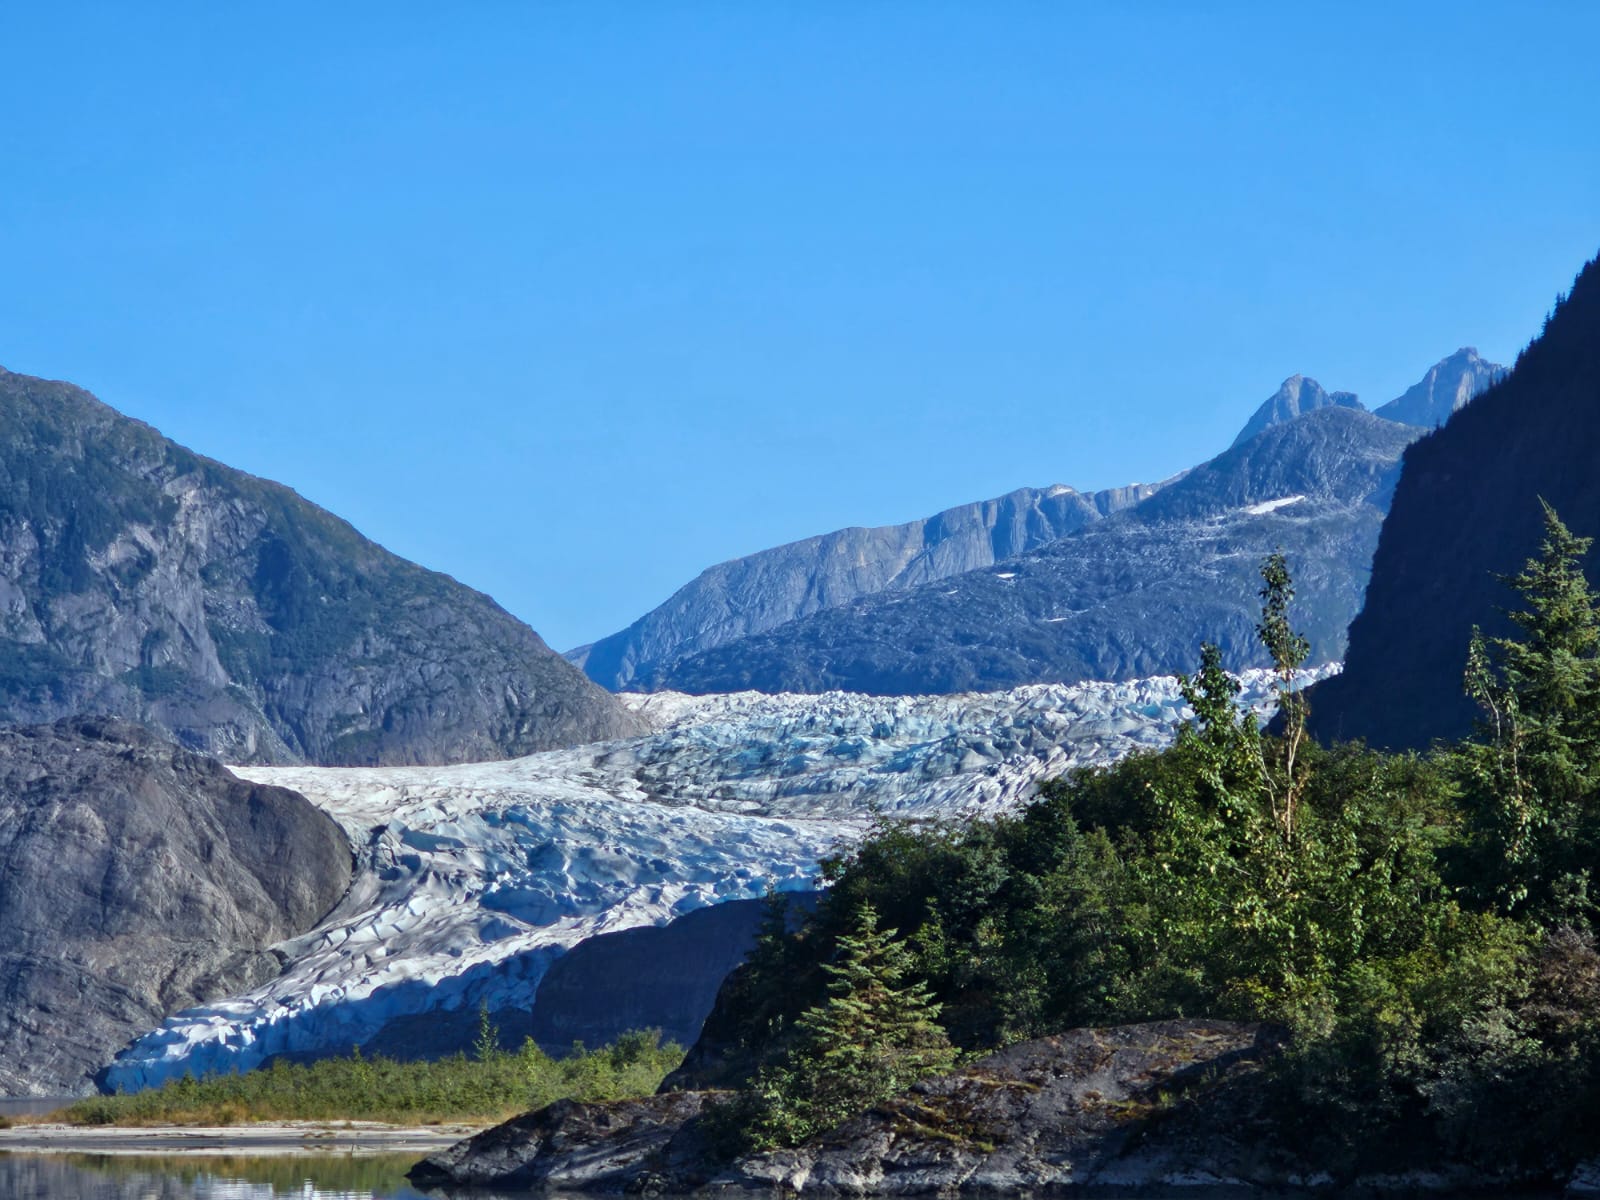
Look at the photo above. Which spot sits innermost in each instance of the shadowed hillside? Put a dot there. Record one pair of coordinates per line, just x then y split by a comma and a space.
1466, 510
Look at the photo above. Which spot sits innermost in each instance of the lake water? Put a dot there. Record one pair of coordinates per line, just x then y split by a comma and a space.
192, 1177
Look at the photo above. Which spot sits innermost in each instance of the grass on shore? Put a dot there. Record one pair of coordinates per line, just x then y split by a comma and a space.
490, 1085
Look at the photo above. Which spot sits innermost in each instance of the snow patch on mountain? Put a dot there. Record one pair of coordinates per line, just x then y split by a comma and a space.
1267, 506
506, 865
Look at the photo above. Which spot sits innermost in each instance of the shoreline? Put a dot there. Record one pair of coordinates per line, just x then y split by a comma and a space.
257, 1139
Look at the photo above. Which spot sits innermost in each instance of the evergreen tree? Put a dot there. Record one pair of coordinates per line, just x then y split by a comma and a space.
874, 1036
1531, 773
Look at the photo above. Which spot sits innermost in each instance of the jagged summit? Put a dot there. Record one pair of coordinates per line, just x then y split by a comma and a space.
1449, 384
1303, 442
1131, 595
1295, 396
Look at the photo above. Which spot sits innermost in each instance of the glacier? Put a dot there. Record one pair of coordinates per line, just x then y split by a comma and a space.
471, 879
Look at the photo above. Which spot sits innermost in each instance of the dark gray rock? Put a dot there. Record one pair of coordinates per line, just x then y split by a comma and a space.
136, 879
1168, 1108
649, 1145
1295, 397
762, 591
140, 580
659, 977
1129, 596
1086, 1110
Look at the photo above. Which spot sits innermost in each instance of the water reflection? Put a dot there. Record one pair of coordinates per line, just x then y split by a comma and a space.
181, 1177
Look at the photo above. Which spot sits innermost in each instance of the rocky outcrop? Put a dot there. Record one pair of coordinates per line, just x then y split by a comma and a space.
1167, 1108
140, 580
1447, 388
762, 591
1129, 596
1085, 1109
1466, 512
1295, 397
651, 1146
138, 878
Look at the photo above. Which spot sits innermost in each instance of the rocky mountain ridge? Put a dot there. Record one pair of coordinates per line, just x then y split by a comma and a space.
142, 580
758, 592
845, 611
1295, 397
1446, 389
1130, 596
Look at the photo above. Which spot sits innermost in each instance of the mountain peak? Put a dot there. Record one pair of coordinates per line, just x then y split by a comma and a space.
1296, 395
1449, 384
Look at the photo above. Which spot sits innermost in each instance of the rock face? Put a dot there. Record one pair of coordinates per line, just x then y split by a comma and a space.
1296, 396
1088, 1110
138, 579
626, 1146
1446, 388
1467, 510
137, 878
658, 977
1161, 1109
762, 591
1132, 595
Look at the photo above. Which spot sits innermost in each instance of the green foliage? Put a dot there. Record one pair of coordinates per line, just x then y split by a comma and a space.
874, 1036
1400, 915
1529, 778
491, 1085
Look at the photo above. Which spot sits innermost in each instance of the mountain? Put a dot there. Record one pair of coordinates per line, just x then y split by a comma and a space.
761, 621
1296, 396
1131, 595
1448, 386
762, 591
137, 878
1466, 510
142, 580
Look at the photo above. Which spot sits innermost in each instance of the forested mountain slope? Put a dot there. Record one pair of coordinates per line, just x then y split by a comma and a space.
1466, 511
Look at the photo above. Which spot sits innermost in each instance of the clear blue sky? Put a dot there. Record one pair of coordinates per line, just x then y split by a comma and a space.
573, 300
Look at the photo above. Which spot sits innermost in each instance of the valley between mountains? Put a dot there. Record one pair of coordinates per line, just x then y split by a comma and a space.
436, 835
499, 808
472, 880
